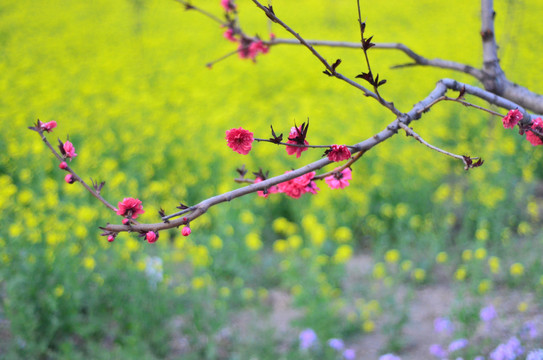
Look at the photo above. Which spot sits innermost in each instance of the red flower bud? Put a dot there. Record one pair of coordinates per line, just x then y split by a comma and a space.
69, 178
186, 231
110, 238
151, 237
63, 165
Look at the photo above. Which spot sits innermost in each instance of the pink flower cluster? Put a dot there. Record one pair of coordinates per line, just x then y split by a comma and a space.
49, 126
130, 207
291, 150
339, 180
535, 137
240, 140
228, 5
338, 153
512, 119
296, 187
270, 190
249, 49
69, 150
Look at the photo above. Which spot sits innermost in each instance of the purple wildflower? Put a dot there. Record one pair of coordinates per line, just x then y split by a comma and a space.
308, 338
391, 357
488, 313
336, 344
458, 344
438, 351
535, 355
508, 351
349, 354
528, 331
443, 324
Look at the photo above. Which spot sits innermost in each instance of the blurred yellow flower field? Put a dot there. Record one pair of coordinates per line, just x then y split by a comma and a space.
127, 84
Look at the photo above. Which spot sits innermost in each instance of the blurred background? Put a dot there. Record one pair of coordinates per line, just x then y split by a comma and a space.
414, 237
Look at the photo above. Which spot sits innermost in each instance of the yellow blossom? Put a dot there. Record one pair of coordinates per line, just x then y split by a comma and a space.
406, 265
89, 263
392, 256
419, 274
460, 273
343, 253
253, 242
379, 270
480, 253
494, 264
467, 255
481, 234
215, 242
224, 292
343, 234
198, 282
368, 326
59, 290
484, 286
441, 257
522, 306
294, 241
280, 246
247, 217
517, 269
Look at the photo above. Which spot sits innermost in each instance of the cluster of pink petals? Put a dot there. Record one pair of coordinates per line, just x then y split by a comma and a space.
49, 126
229, 34
339, 180
250, 49
295, 149
270, 190
533, 138
338, 153
130, 207
296, 187
186, 231
151, 237
512, 119
69, 178
240, 140
228, 5
69, 150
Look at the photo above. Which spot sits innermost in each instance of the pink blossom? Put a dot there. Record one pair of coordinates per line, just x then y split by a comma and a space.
229, 34
228, 5
69, 178
151, 237
339, 180
270, 190
249, 49
186, 231
69, 150
130, 207
296, 187
63, 165
49, 126
338, 153
110, 238
295, 149
534, 139
240, 140
511, 119
126, 221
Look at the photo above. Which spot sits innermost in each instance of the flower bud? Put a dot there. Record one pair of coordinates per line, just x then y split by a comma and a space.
69, 178
110, 238
63, 165
186, 231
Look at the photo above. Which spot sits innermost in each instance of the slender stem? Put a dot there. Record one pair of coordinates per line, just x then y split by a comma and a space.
189, 6
298, 145
74, 174
353, 159
410, 132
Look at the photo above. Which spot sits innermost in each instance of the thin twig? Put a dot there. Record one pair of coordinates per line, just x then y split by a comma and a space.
298, 145
74, 174
189, 6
